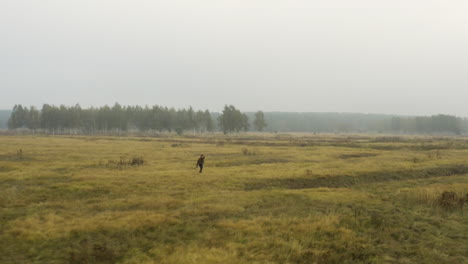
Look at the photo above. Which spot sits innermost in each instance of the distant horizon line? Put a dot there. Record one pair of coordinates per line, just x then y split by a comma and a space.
276, 111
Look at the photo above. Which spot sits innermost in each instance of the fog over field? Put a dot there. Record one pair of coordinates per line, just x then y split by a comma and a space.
223, 131
391, 57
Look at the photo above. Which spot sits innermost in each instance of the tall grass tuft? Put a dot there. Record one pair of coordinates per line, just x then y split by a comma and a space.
438, 197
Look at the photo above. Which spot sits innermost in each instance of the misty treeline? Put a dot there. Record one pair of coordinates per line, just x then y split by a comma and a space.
437, 124
365, 123
118, 118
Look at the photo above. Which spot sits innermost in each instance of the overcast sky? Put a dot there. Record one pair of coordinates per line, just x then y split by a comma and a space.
370, 56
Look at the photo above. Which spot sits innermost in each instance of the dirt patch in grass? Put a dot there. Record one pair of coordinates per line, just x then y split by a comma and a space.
339, 181
16, 157
357, 155
35, 181
7, 168
278, 204
63, 170
252, 161
390, 139
425, 146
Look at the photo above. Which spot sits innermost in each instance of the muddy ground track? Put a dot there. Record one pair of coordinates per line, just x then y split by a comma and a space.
342, 181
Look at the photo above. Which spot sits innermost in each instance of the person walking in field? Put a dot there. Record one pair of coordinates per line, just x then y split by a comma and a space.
200, 162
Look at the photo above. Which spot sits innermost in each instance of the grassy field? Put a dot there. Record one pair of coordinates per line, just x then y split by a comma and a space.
268, 198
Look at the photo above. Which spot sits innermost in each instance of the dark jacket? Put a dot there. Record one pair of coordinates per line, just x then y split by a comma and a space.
200, 161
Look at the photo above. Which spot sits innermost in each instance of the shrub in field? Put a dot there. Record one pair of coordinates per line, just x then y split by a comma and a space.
134, 161
449, 200
249, 152
439, 198
87, 252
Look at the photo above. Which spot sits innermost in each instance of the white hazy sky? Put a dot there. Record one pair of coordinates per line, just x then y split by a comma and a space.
370, 56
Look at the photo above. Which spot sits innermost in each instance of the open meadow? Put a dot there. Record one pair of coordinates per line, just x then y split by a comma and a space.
262, 198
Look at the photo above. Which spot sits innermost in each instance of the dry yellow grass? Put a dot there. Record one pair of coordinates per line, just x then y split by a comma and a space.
262, 198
